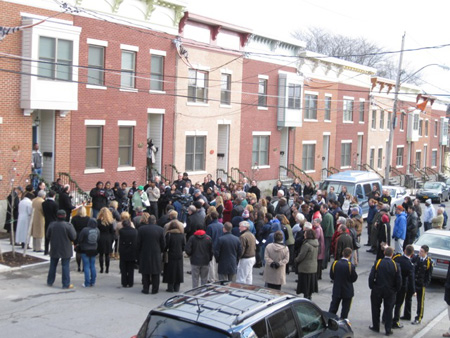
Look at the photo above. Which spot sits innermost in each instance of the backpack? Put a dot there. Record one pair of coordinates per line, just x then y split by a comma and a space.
92, 236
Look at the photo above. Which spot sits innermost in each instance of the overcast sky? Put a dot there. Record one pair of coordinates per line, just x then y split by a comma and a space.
426, 23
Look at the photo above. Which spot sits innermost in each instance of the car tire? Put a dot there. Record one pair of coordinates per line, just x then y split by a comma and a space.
440, 199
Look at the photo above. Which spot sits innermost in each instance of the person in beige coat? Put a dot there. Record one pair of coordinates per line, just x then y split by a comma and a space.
38, 224
276, 256
438, 221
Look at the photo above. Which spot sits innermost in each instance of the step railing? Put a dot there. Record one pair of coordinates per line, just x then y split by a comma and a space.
288, 171
423, 175
238, 175
79, 196
222, 173
302, 172
397, 172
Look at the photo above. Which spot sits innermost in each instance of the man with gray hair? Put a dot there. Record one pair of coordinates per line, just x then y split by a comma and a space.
438, 221
38, 225
247, 258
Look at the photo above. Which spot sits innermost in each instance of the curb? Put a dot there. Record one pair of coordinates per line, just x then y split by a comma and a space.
431, 325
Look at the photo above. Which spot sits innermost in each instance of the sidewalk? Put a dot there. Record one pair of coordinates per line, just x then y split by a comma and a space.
438, 326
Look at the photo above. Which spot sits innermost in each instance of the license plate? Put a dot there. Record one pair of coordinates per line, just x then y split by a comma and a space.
425, 197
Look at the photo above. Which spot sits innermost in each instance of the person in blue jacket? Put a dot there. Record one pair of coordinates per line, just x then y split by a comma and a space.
399, 232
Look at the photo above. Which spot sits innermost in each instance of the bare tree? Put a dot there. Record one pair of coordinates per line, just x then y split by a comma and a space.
358, 50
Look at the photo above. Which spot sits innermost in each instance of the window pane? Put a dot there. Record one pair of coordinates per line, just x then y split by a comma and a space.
126, 80
93, 147
64, 72
157, 73
127, 60
310, 318
65, 50
92, 158
282, 324
95, 57
93, 136
47, 47
125, 145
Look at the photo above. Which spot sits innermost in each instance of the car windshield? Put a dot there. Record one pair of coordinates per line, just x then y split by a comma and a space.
431, 185
434, 241
338, 186
160, 326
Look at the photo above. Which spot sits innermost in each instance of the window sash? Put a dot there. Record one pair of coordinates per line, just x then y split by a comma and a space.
262, 92
225, 89
374, 119
128, 74
311, 107
434, 158
346, 149
93, 147
57, 57
157, 72
195, 153
381, 119
260, 151
380, 157
348, 110
372, 158
126, 146
435, 128
96, 64
308, 156
402, 121
420, 127
399, 160
197, 86
327, 108
426, 128
361, 111
294, 92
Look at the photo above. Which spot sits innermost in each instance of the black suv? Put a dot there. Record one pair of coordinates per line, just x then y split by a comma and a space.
227, 309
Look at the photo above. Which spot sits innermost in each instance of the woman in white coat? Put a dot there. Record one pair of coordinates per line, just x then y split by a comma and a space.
23, 221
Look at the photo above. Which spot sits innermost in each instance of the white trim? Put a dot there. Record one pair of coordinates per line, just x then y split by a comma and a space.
261, 167
399, 166
1, 120
88, 86
158, 52
196, 133
309, 142
348, 98
346, 167
156, 111
126, 168
307, 92
261, 133
156, 91
97, 42
265, 77
263, 108
360, 133
310, 120
380, 147
346, 141
200, 67
402, 146
425, 145
418, 151
94, 171
197, 104
372, 147
223, 121
226, 71
225, 106
434, 149
310, 171
129, 47
129, 90
94, 122
328, 95
327, 121
348, 122
126, 123
197, 172
326, 133
52, 20
362, 99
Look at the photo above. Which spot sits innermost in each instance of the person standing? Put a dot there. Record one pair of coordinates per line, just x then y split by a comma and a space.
127, 251
345, 240
99, 199
79, 222
199, 249
36, 165
215, 231
23, 221
150, 244
88, 243
61, 234
328, 230
437, 222
247, 259
399, 231
105, 223
407, 289
343, 274
50, 208
38, 225
370, 219
423, 269
153, 194
411, 226
276, 257
65, 202
175, 243
307, 265
429, 214
227, 252
385, 280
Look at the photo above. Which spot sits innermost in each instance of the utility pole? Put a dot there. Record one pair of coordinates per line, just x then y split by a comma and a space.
394, 118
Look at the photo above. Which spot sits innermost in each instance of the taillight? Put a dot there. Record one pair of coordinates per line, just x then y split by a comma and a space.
442, 261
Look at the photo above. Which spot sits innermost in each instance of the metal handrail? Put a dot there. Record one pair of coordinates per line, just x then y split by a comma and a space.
398, 173
289, 171
375, 171
240, 173
313, 183
229, 177
78, 194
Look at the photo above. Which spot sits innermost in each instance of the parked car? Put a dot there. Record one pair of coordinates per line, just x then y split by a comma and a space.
447, 183
436, 191
227, 309
439, 243
398, 195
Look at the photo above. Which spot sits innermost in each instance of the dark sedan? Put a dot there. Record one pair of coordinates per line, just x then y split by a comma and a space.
435, 191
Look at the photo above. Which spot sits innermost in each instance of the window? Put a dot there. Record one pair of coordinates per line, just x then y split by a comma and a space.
382, 119
262, 92
94, 147
157, 73
125, 146
389, 120
374, 119
426, 127
346, 152
198, 86
416, 122
434, 158
282, 324
96, 64
372, 157
348, 110
420, 127
327, 108
310, 319
435, 128
225, 89
128, 72
399, 158
418, 159
308, 156
402, 121
294, 92
380, 158
361, 111
195, 153
56, 56
311, 107
260, 152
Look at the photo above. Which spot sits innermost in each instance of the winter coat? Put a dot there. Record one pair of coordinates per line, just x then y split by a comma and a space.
99, 199
175, 243
65, 203
193, 223
79, 223
319, 236
412, 224
38, 225
215, 231
61, 234
345, 240
327, 225
279, 253
248, 243
307, 258
150, 244
228, 208
437, 222
106, 238
399, 226
83, 239
227, 252
358, 221
23, 222
127, 244
50, 208
199, 248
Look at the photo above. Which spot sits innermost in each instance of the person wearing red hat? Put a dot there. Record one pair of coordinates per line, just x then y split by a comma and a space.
399, 232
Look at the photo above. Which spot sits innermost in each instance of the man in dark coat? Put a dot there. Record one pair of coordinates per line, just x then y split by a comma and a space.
195, 221
227, 252
412, 224
343, 273
99, 199
199, 250
150, 244
408, 289
385, 280
423, 266
344, 241
255, 190
61, 234
50, 208
127, 252
215, 231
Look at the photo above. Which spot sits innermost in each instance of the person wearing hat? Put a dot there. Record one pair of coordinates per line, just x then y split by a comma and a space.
61, 235
384, 235
399, 232
430, 213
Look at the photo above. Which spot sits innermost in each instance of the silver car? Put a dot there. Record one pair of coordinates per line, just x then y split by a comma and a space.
439, 243
398, 195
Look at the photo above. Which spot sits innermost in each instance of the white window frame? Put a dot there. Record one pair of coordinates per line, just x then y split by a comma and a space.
131, 71
380, 158
264, 78
362, 103
434, 151
345, 101
373, 121
397, 157
372, 157
307, 108
349, 155
196, 134
159, 77
193, 83
309, 143
327, 97
382, 112
262, 133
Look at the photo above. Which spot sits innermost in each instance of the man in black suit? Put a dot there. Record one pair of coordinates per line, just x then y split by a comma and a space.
408, 288
343, 274
50, 208
150, 244
385, 280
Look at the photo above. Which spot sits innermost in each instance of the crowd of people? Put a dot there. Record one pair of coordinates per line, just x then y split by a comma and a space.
226, 230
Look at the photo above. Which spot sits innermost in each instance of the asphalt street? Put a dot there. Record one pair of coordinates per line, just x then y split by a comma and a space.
28, 307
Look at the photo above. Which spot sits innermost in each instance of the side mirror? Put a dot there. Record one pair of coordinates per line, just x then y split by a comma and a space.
333, 324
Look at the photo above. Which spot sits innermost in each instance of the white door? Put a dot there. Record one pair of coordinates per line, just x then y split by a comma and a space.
46, 140
223, 142
155, 131
325, 155
284, 146
359, 150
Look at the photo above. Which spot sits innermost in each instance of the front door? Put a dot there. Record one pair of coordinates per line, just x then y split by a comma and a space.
44, 135
154, 132
223, 142
325, 155
284, 146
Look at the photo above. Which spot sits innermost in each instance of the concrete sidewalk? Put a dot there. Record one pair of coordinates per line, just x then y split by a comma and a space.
437, 327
